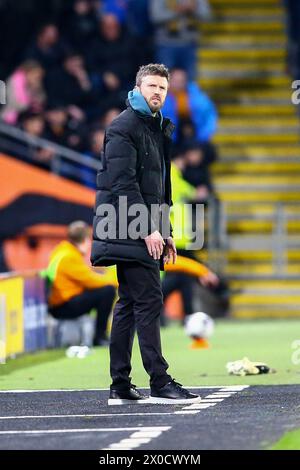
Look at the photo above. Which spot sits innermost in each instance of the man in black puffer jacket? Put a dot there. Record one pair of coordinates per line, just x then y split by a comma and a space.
135, 178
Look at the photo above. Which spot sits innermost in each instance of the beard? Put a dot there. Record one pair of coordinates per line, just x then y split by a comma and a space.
155, 107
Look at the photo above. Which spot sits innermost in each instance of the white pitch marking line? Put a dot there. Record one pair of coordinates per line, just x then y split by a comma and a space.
146, 434
104, 415
130, 441
234, 388
214, 396
65, 431
199, 406
211, 400
142, 436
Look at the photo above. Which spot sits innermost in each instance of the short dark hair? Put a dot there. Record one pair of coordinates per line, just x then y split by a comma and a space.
151, 69
78, 231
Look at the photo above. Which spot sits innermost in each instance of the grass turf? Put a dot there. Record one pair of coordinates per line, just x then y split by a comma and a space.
290, 441
268, 341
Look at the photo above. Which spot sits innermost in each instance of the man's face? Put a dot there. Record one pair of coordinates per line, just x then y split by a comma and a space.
154, 89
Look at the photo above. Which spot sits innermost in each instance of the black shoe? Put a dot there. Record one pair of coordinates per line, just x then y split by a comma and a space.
127, 397
173, 393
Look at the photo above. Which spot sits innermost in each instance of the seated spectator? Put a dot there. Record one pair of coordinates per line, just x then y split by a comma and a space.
34, 124
48, 49
63, 129
81, 25
74, 289
186, 104
95, 142
24, 91
75, 86
176, 32
109, 116
196, 171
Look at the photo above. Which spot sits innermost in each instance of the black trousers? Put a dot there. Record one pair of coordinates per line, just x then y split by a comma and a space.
101, 299
138, 307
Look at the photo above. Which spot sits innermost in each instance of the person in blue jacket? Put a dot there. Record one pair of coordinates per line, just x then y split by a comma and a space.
187, 102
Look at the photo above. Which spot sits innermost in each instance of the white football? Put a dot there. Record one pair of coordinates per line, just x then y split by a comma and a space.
199, 325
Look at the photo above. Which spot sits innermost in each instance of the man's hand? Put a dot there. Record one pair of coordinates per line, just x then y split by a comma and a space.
170, 251
209, 280
155, 244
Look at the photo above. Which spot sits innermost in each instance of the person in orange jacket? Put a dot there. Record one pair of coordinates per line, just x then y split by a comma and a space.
74, 288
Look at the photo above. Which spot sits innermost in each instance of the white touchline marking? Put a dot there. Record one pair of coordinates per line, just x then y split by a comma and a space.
214, 396
103, 415
223, 395
65, 431
142, 436
146, 434
210, 400
234, 388
199, 406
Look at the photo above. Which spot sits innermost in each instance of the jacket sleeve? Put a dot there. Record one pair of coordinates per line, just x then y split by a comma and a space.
81, 273
121, 160
187, 266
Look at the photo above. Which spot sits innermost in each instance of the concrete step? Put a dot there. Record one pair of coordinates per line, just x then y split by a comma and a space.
240, 71
271, 138
255, 3
263, 256
262, 269
253, 96
228, 193
264, 312
260, 227
225, 10
243, 41
253, 54
258, 168
242, 27
257, 124
258, 82
251, 110
268, 182
257, 152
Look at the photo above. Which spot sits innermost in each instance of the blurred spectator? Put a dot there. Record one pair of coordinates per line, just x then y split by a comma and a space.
81, 26
87, 175
34, 124
74, 289
109, 116
24, 91
75, 86
196, 171
112, 56
293, 30
63, 129
118, 8
140, 27
176, 32
190, 109
95, 142
48, 49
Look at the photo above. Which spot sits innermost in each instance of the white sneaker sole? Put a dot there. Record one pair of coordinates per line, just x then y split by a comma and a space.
123, 401
173, 401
